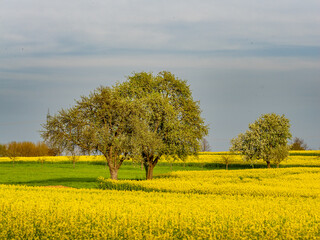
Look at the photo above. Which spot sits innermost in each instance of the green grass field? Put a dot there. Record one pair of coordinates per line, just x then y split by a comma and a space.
84, 175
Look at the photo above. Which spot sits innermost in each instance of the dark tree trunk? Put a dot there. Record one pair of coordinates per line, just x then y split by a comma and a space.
149, 164
268, 164
149, 172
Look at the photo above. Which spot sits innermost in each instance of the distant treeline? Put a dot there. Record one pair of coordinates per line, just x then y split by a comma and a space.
26, 149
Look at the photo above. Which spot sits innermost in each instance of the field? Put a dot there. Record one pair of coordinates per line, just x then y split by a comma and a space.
200, 200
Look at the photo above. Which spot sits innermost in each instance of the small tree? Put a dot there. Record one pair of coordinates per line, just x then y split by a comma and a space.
13, 150
226, 159
205, 146
3, 150
265, 134
73, 154
279, 154
298, 144
42, 151
244, 144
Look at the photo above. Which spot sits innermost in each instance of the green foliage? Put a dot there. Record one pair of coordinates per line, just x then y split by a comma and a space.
145, 118
264, 135
171, 121
279, 154
103, 122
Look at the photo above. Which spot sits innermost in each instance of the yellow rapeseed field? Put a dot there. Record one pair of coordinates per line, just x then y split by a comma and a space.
54, 159
205, 157
218, 204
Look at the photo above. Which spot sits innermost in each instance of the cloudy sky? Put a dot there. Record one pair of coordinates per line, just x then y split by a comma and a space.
240, 58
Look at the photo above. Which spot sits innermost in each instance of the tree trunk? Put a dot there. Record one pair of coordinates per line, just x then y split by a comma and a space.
149, 172
277, 165
149, 162
226, 166
149, 166
114, 163
113, 173
268, 164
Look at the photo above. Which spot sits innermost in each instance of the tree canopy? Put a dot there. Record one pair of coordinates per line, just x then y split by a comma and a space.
172, 122
266, 138
103, 122
145, 117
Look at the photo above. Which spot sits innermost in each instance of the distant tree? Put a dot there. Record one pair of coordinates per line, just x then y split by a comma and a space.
298, 144
3, 150
13, 151
54, 151
25, 149
205, 146
73, 153
269, 132
171, 122
226, 159
42, 151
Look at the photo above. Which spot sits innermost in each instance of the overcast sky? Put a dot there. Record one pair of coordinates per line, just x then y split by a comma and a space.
240, 58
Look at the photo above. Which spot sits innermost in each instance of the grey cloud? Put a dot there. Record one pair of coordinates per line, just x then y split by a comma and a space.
241, 58
131, 24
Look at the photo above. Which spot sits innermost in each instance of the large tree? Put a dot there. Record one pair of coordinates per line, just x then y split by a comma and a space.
171, 123
103, 122
264, 139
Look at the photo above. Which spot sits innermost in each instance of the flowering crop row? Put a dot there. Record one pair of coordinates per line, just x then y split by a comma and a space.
285, 182
53, 159
297, 158
239, 204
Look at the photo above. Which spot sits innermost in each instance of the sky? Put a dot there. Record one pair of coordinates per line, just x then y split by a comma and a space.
241, 59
